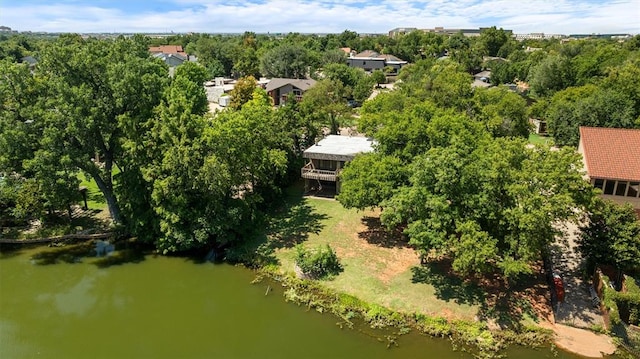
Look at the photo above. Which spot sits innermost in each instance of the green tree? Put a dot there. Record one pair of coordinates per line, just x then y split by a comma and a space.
193, 71
287, 61
334, 56
324, 104
492, 40
611, 236
492, 208
502, 111
587, 106
98, 94
242, 92
378, 77
370, 179
552, 74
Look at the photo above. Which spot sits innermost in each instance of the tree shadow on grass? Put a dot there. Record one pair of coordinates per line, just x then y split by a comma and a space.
288, 224
448, 286
505, 304
379, 235
292, 224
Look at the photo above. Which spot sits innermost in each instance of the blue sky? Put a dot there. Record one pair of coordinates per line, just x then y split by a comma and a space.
322, 16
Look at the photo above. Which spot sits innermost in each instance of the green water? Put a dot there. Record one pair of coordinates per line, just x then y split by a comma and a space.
160, 307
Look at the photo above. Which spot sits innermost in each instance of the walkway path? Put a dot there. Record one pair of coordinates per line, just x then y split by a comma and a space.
577, 309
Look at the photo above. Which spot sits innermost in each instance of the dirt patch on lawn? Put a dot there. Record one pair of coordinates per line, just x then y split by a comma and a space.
395, 256
388, 253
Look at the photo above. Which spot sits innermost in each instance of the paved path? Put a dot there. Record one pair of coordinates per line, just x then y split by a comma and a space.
577, 309
582, 342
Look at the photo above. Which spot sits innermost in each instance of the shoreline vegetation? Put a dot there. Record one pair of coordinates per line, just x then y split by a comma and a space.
464, 335
374, 288
309, 222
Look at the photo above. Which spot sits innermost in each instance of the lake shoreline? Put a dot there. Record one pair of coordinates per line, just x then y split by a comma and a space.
474, 336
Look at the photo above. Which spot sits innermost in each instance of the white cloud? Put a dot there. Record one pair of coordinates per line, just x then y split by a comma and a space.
550, 16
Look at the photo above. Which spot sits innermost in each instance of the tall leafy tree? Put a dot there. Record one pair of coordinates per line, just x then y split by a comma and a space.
286, 60
242, 92
491, 208
98, 95
324, 104
502, 111
370, 179
611, 236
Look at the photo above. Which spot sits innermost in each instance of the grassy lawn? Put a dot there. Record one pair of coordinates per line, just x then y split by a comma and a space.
95, 199
379, 267
539, 140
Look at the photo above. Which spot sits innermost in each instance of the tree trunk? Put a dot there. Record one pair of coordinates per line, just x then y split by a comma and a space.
106, 187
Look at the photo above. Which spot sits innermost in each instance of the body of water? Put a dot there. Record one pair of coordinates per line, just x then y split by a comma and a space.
68, 303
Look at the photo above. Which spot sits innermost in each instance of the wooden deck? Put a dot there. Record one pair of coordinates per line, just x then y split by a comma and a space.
323, 175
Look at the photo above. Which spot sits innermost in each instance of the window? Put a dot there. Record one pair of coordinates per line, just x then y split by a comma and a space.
609, 186
621, 189
598, 183
634, 188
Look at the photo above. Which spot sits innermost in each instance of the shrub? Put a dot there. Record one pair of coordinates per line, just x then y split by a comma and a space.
319, 263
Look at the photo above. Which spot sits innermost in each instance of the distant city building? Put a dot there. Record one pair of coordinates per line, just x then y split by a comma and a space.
443, 31
401, 31
537, 36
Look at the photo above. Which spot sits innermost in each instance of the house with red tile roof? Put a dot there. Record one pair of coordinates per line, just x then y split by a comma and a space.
167, 49
611, 158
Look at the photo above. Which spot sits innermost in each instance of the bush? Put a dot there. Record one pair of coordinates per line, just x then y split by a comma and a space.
319, 263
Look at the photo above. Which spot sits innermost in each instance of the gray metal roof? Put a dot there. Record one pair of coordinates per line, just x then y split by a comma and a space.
302, 84
342, 148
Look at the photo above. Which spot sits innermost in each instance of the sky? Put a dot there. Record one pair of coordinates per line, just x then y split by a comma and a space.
320, 16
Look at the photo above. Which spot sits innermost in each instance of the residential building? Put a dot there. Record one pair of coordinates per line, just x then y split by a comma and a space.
31, 61
280, 88
370, 61
172, 55
167, 49
539, 126
326, 159
611, 158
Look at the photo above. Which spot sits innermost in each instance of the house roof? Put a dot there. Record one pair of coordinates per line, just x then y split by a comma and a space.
30, 60
481, 74
342, 147
167, 49
389, 57
367, 53
611, 152
302, 84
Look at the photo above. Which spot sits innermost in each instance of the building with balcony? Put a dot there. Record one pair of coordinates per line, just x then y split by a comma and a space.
326, 158
611, 158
